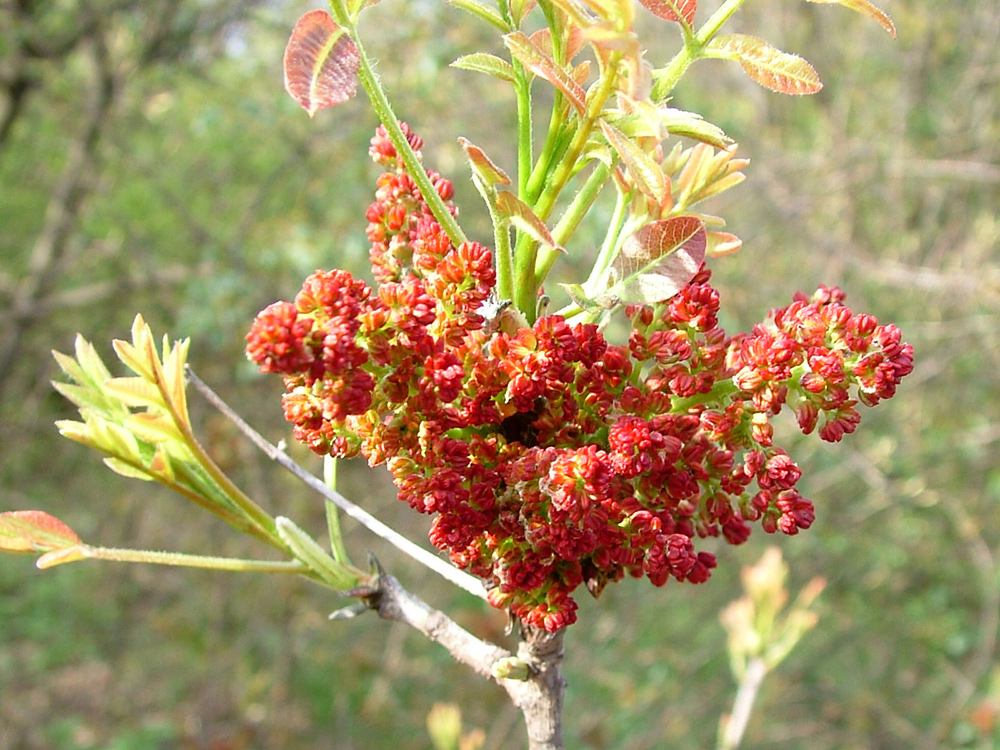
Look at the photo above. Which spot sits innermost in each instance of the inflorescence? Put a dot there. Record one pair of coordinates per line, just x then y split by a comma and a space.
549, 457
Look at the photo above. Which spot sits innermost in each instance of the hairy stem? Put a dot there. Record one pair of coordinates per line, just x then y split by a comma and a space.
195, 561
380, 103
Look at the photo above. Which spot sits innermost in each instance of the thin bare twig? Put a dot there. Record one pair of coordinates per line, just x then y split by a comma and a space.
452, 574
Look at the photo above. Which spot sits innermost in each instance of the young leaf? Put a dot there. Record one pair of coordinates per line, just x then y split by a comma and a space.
543, 66
768, 66
482, 165
579, 296
60, 556
619, 13
658, 260
646, 173
509, 206
482, 12
863, 6
34, 531
690, 125
521, 8
153, 428
483, 62
134, 392
127, 470
678, 11
722, 243
705, 173
321, 63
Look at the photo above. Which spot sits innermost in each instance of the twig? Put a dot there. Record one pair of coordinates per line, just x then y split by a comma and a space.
756, 670
463, 580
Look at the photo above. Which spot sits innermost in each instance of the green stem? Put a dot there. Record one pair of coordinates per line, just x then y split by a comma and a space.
526, 291
504, 255
667, 77
337, 547
610, 246
571, 219
380, 103
716, 21
195, 561
253, 512
553, 139
522, 85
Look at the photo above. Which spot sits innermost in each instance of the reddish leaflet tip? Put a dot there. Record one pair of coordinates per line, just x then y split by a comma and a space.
678, 11
321, 63
34, 531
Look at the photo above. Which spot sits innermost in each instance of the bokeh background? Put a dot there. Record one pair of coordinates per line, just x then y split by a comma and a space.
150, 162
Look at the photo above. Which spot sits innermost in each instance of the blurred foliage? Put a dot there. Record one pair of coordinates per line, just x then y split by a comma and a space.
205, 194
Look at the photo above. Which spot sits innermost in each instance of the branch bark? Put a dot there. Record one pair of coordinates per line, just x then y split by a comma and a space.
539, 698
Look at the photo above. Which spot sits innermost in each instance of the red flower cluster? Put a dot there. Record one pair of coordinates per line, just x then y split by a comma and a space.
550, 457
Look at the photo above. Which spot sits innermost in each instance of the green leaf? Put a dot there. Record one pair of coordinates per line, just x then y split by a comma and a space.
34, 531
154, 428
118, 466
482, 12
483, 62
658, 260
866, 8
691, 125
135, 392
521, 8
321, 63
768, 66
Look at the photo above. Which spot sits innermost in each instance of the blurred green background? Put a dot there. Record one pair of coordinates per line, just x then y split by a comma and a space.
150, 162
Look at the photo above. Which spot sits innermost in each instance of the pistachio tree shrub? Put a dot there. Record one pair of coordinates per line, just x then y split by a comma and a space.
551, 455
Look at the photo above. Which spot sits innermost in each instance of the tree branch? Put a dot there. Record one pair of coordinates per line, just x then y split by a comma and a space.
61, 214
540, 697
443, 568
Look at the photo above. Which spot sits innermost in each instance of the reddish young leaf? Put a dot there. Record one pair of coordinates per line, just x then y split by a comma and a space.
543, 66
659, 259
863, 6
678, 11
321, 63
770, 67
482, 165
646, 173
521, 216
722, 243
34, 531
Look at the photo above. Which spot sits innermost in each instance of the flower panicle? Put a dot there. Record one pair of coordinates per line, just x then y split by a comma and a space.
549, 457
